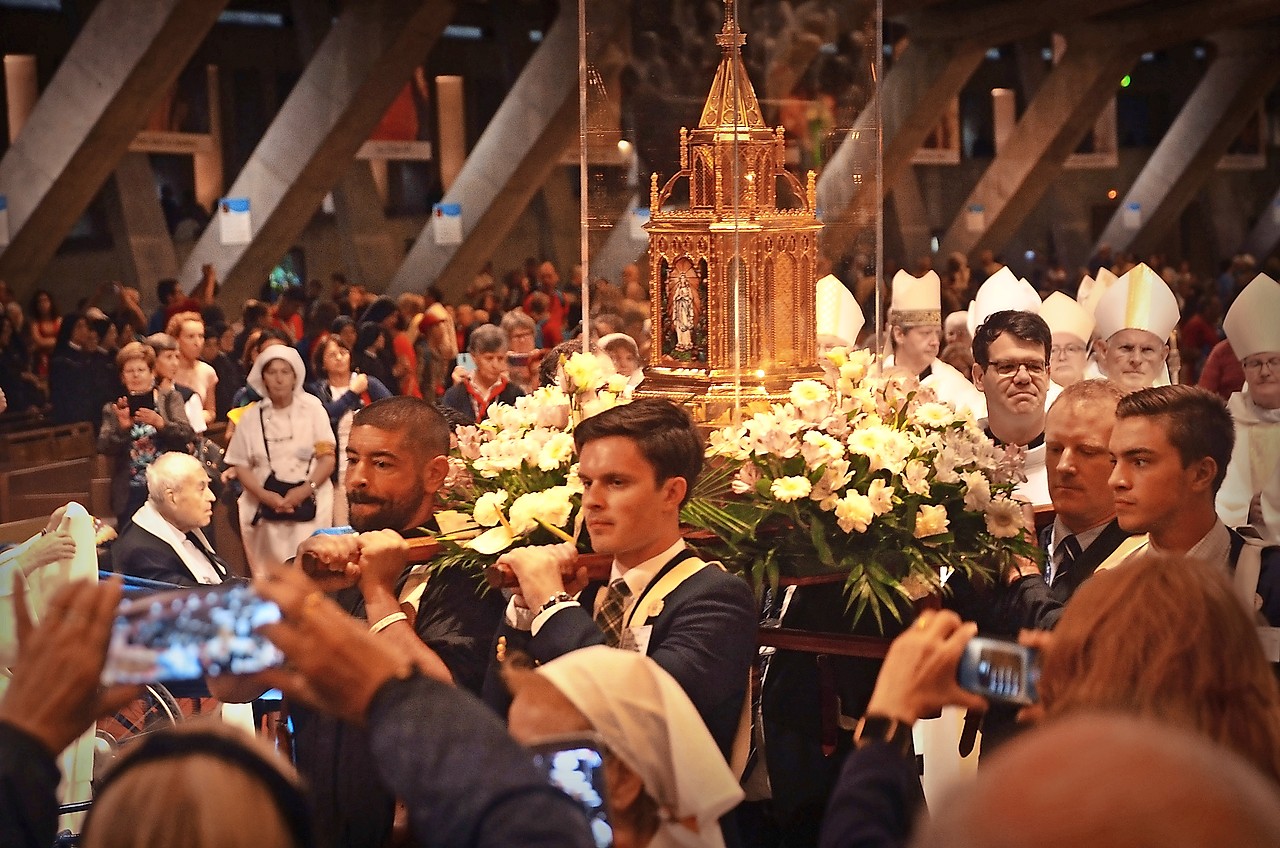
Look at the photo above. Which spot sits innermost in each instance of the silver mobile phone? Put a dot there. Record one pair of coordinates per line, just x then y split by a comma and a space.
1000, 670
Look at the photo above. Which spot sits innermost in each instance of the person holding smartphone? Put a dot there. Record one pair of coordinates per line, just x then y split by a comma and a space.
138, 426
486, 383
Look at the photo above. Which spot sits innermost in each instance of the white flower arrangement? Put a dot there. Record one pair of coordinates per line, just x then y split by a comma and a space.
518, 484
865, 476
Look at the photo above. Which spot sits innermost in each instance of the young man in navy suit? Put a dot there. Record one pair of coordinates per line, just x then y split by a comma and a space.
638, 463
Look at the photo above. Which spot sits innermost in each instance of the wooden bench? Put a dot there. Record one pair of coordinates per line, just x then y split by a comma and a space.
32, 491
47, 444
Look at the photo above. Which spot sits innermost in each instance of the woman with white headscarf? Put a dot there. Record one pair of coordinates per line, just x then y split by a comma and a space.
668, 783
283, 452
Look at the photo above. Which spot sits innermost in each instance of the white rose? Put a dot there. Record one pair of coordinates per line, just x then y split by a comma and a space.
488, 509
854, 512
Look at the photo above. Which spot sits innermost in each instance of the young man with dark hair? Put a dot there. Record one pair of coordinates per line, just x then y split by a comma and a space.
1171, 446
1011, 368
638, 464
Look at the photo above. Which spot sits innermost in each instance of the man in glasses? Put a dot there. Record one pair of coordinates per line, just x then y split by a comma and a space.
1011, 368
1252, 326
1072, 327
1135, 317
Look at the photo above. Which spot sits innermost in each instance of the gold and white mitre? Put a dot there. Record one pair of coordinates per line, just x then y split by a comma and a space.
1091, 290
1002, 291
917, 301
1139, 300
1064, 315
840, 318
1252, 324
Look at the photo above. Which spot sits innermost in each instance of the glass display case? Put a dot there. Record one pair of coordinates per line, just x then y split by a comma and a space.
730, 168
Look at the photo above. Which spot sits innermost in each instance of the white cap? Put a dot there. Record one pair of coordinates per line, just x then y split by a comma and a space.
1252, 324
1064, 315
1088, 296
917, 301
839, 315
1002, 291
1139, 300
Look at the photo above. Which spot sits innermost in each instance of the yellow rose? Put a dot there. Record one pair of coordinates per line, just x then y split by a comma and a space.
931, 521
584, 371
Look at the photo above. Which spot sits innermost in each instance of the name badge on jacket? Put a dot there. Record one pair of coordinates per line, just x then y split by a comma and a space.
637, 638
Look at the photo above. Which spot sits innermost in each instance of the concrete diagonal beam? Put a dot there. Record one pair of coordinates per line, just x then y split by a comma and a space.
520, 147
120, 66
1245, 69
360, 66
1062, 112
922, 82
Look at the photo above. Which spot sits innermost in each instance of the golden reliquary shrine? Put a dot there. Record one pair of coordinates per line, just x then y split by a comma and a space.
733, 299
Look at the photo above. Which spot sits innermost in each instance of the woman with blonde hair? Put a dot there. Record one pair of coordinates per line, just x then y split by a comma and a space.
202, 785
1166, 637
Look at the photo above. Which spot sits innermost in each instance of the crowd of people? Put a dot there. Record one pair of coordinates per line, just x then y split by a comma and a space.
409, 687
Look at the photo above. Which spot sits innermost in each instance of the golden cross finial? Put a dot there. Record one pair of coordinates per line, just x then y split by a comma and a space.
730, 37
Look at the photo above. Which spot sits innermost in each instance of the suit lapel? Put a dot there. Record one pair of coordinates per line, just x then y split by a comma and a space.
1089, 560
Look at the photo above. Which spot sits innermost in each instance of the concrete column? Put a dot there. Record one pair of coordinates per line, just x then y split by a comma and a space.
138, 227
360, 66
945, 49
911, 217
1265, 235
517, 152
1239, 78
452, 148
208, 164
123, 61
21, 91
370, 250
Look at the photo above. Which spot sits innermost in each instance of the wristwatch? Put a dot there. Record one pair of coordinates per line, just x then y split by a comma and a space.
557, 598
872, 728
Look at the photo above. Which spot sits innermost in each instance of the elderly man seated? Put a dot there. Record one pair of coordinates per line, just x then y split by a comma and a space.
666, 780
164, 541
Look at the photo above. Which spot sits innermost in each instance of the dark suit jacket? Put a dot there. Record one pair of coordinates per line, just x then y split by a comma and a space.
704, 637
352, 807
1033, 604
875, 802
138, 553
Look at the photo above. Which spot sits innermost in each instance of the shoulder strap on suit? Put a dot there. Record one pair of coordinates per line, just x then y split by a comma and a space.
679, 568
